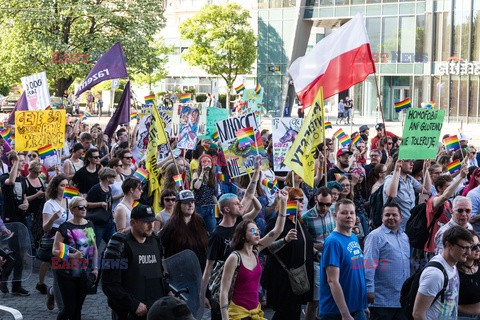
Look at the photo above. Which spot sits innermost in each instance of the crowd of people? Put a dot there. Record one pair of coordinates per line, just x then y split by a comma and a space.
339, 255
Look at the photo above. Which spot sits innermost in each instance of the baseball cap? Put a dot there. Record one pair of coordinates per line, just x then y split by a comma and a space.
169, 308
463, 137
363, 128
142, 212
379, 126
185, 196
343, 151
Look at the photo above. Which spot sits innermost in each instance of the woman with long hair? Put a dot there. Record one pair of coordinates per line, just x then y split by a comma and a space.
35, 192
473, 182
167, 202
75, 162
347, 192
377, 178
468, 272
85, 178
185, 229
132, 189
78, 236
99, 143
204, 188
293, 254
247, 243
117, 193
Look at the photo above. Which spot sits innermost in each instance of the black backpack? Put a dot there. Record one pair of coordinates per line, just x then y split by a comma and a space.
417, 230
410, 289
376, 207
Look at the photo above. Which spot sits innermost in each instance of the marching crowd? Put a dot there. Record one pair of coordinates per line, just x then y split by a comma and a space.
343, 247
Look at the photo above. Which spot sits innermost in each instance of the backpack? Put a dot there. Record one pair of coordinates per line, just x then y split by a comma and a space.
416, 229
410, 289
376, 207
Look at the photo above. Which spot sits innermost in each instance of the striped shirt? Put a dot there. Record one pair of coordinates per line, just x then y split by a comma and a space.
317, 225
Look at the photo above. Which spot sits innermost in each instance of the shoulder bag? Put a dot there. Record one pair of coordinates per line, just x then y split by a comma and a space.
216, 279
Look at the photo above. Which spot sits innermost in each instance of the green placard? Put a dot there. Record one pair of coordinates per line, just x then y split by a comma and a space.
421, 133
214, 115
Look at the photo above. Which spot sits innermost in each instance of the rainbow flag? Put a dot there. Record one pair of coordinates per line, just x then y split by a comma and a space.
216, 211
328, 125
454, 166
149, 99
178, 180
216, 136
258, 88
430, 105
133, 115
339, 133
221, 177
451, 143
356, 139
82, 157
185, 97
338, 175
240, 88
272, 185
6, 134
135, 203
88, 114
141, 174
291, 208
48, 108
245, 136
345, 140
82, 117
2, 128
70, 192
46, 151
63, 254
404, 104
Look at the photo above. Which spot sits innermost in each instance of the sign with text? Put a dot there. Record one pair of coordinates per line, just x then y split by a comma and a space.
36, 129
284, 132
252, 102
421, 133
214, 115
36, 91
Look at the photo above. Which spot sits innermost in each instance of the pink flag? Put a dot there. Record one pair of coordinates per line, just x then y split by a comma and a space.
336, 63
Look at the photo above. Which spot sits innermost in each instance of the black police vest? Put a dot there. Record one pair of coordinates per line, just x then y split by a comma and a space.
143, 278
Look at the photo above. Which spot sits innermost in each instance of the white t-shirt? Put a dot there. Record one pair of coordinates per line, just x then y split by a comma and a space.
431, 283
116, 190
52, 206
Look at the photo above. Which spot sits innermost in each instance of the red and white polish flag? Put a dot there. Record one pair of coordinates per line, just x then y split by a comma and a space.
336, 63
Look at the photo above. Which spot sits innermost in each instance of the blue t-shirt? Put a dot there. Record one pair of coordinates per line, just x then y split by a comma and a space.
345, 253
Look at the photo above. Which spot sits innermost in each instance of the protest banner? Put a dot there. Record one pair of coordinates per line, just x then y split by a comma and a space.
36, 91
284, 132
240, 160
300, 156
188, 128
166, 112
214, 115
421, 133
36, 129
252, 102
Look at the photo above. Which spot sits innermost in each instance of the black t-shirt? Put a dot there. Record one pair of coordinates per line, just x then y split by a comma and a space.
85, 180
13, 196
96, 194
219, 242
331, 173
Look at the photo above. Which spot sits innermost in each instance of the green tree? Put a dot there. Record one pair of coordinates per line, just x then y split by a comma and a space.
223, 43
30, 31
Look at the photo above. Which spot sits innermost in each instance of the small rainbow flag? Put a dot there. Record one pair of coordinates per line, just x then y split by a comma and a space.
82, 117
6, 134
221, 177
178, 180
404, 104
240, 88
63, 254
356, 139
338, 175
216, 136
339, 133
272, 185
88, 114
133, 115
185, 97
135, 203
46, 151
345, 140
430, 105
291, 208
451, 143
82, 157
216, 211
141, 174
245, 136
70, 192
149, 99
2, 128
454, 166
328, 125
258, 88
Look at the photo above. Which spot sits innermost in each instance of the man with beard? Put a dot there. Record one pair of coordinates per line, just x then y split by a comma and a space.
342, 165
401, 187
133, 277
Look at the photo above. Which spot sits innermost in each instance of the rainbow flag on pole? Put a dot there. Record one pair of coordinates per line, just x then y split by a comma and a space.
451, 143
134, 115
185, 97
338, 175
88, 114
328, 125
141, 174
240, 88
46, 151
404, 104
149, 99
454, 166
339, 133
135, 203
70, 192
291, 208
63, 254
245, 136
258, 88
6, 134
178, 180
272, 185
221, 177
345, 140
430, 105
356, 139
216, 136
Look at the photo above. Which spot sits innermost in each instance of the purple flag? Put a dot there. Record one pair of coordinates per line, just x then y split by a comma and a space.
20, 105
121, 114
110, 66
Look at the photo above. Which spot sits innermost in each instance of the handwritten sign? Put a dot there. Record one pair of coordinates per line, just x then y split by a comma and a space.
284, 132
36, 129
421, 134
36, 91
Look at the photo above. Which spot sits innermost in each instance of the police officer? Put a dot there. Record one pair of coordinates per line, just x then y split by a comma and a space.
138, 281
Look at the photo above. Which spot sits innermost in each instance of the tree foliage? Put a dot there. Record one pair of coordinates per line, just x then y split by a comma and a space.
223, 43
31, 30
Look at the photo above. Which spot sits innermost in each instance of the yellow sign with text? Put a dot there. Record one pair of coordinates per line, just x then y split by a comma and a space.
38, 128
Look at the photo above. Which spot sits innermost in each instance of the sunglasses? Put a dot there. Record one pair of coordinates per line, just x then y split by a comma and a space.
325, 204
299, 200
463, 248
128, 158
32, 155
81, 207
476, 246
467, 211
96, 157
169, 199
255, 232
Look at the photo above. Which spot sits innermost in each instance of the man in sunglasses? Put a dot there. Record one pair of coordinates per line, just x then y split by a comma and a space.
462, 211
319, 222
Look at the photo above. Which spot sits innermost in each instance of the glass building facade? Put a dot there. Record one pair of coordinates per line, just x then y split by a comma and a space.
426, 50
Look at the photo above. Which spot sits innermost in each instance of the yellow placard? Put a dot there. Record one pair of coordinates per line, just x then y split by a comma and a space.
38, 128
300, 156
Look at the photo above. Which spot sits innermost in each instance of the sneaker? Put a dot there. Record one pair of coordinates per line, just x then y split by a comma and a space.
50, 299
19, 291
3, 287
42, 288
